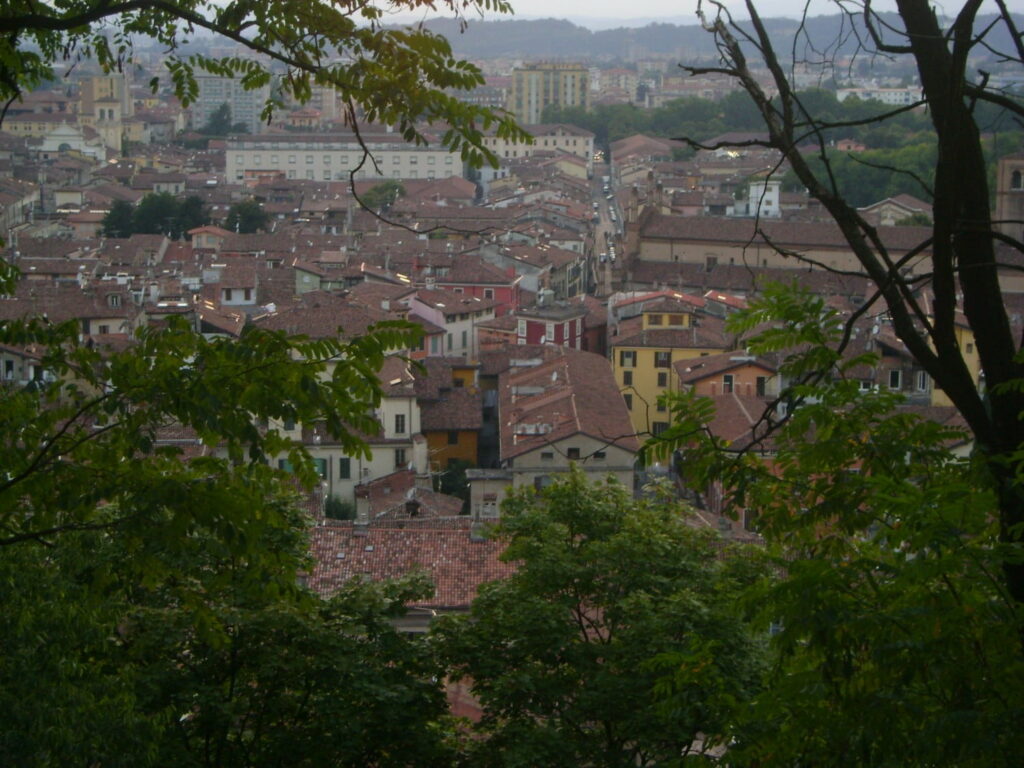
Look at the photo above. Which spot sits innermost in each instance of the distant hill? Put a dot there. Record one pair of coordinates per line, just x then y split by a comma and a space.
560, 39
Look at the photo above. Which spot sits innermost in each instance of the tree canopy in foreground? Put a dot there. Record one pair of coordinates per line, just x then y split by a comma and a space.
617, 642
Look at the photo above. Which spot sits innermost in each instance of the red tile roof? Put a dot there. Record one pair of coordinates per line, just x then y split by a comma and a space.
455, 562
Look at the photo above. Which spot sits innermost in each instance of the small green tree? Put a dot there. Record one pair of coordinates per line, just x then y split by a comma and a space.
616, 642
246, 217
219, 122
118, 221
382, 196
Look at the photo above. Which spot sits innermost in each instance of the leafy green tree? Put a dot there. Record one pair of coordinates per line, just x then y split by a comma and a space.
386, 74
192, 213
118, 220
959, 258
157, 214
616, 642
123, 672
896, 640
382, 196
246, 217
219, 122
154, 611
161, 213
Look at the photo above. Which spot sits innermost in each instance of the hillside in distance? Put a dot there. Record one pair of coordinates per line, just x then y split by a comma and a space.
560, 39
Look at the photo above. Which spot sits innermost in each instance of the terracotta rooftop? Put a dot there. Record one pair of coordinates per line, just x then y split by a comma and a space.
456, 563
569, 393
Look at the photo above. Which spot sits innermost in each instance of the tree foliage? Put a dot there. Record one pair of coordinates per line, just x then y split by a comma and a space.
247, 216
380, 197
158, 213
616, 642
897, 638
960, 257
155, 616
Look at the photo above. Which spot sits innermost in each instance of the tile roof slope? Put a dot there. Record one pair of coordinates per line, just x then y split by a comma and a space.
578, 394
782, 233
458, 408
455, 563
695, 369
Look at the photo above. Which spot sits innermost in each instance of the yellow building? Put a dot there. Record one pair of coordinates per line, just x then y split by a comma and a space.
538, 85
645, 350
969, 351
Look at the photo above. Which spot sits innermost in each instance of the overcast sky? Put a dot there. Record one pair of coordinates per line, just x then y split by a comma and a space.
607, 13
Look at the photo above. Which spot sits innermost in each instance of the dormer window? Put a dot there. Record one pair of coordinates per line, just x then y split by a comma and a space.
113, 300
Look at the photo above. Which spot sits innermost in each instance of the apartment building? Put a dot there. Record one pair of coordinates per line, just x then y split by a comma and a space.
540, 84
333, 156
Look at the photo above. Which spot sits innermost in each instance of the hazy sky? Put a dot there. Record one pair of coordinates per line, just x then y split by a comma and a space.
632, 12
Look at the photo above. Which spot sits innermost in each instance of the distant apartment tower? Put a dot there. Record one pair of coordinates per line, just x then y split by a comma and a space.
245, 105
535, 86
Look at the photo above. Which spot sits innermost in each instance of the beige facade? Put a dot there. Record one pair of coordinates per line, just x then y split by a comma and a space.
542, 84
546, 138
327, 157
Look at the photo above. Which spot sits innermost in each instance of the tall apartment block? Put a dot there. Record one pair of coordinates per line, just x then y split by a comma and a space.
246, 106
536, 85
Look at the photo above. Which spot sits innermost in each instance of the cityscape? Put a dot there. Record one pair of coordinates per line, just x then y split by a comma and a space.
262, 331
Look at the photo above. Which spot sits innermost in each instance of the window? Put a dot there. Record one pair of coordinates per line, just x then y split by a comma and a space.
521, 328
662, 379
662, 359
448, 160
1015, 180
289, 425
453, 437
464, 339
629, 402
344, 469
727, 381
309, 159
922, 381
284, 465
627, 359
895, 379
488, 293
247, 292
573, 453
450, 342
114, 300
599, 455
657, 427
675, 319
104, 329
8, 369
399, 423
273, 159
661, 406
321, 468
399, 458
547, 455
549, 332
654, 319
291, 159
762, 386
970, 348
327, 159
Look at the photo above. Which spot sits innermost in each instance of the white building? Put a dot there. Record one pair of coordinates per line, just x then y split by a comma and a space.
332, 156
